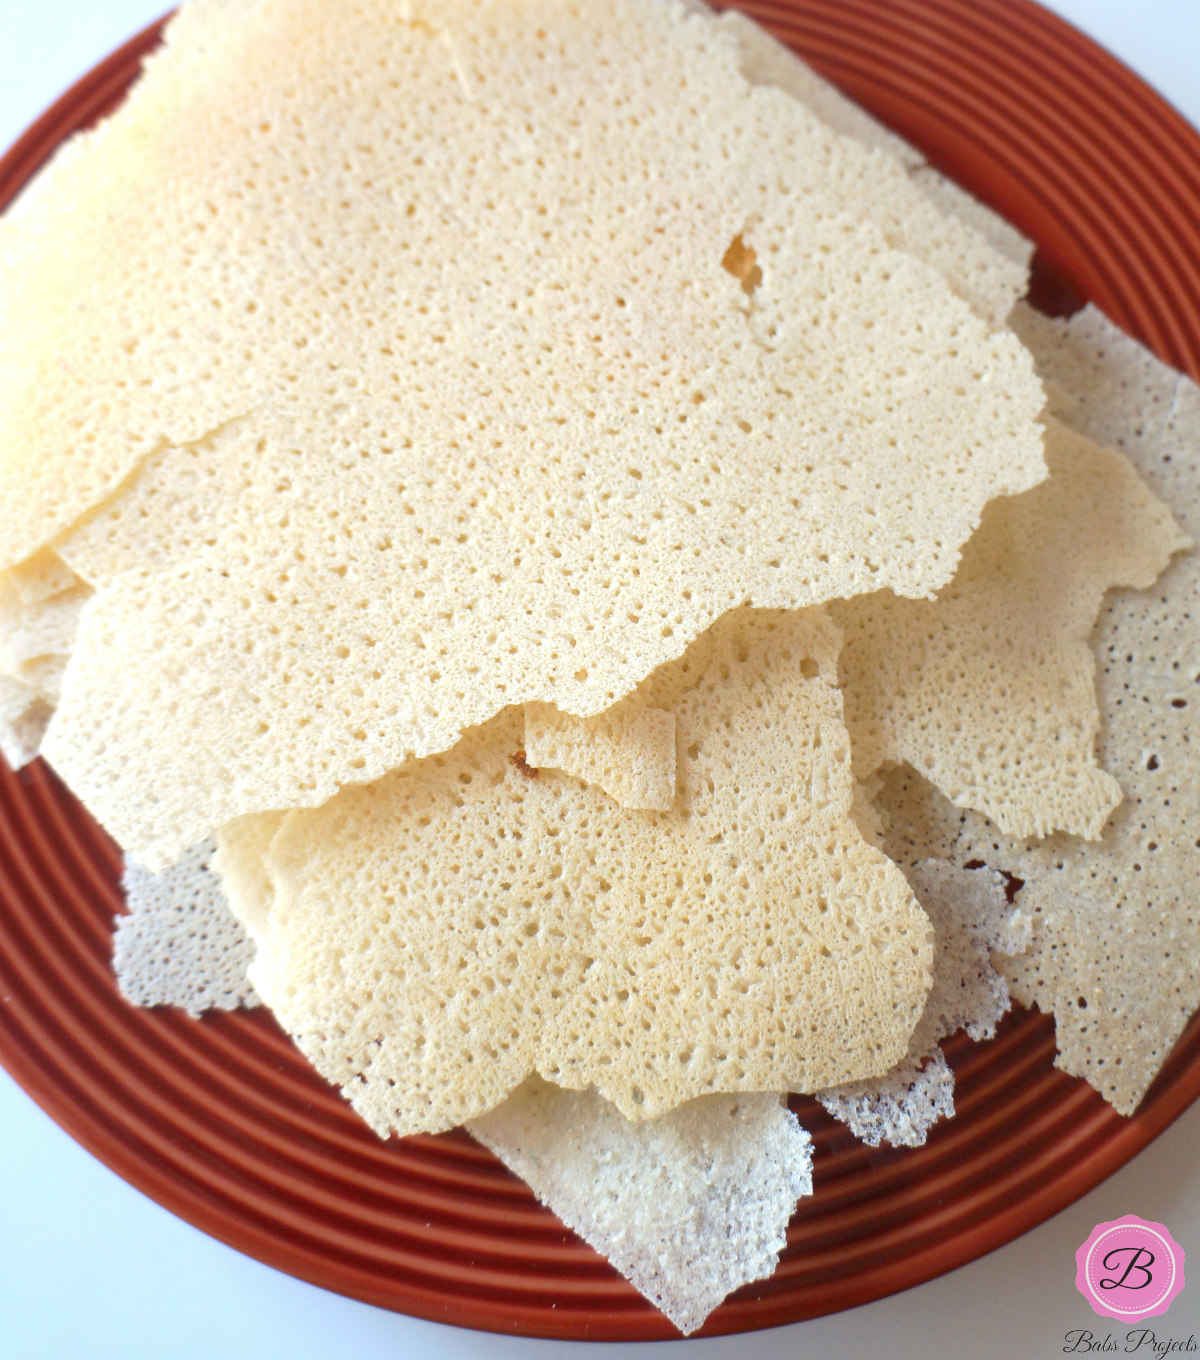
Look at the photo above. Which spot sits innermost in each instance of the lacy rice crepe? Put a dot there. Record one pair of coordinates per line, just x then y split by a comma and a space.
1114, 933
1115, 927
434, 938
988, 690
993, 694
972, 923
562, 435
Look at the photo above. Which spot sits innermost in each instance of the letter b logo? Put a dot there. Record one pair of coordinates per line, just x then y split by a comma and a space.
1129, 1269
1139, 1259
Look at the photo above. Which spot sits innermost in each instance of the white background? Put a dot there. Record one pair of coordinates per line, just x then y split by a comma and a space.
91, 1270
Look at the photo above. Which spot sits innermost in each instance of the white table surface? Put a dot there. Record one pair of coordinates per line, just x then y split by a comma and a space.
92, 1270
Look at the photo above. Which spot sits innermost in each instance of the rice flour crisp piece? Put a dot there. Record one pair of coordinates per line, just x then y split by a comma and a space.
1000, 234
562, 435
688, 1207
33, 631
40, 604
39, 578
180, 945
1115, 925
764, 60
916, 821
989, 690
239, 863
971, 921
901, 1106
438, 936
24, 717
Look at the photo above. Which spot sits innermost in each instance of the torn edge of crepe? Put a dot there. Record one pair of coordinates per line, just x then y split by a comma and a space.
180, 945
990, 690
688, 1207
24, 717
628, 750
40, 603
901, 1107
971, 919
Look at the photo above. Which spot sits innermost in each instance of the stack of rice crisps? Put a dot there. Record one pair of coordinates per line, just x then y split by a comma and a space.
552, 542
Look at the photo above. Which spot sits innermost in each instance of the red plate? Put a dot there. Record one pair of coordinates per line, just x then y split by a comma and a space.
224, 1124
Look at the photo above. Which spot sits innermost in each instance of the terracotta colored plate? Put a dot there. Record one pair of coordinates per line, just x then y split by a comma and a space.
224, 1124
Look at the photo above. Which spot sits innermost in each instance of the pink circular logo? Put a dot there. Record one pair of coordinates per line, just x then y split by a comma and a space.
1129, 1269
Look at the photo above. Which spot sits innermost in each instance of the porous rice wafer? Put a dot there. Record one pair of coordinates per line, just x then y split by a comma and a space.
40, 604
179, 944
31, 630
239, 862
915, 820
989, 690
1000, 234
766, 61
438, 935
394, 557
1115, 925
971, 921
24, 717
687, 1207
308, 601
39, 577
